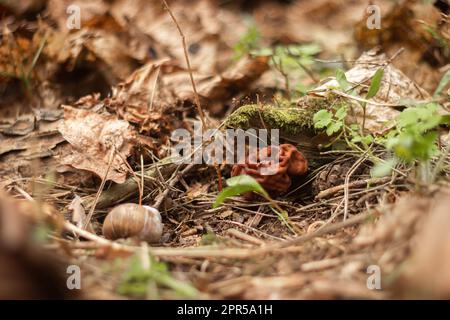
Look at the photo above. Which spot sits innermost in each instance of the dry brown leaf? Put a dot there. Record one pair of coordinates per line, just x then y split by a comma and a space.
138, 88
78, 212
406, 24
412, 244
216, 90
207, 29
197, 189
142, 100
23, 6
89, 9
109, 49
65, 47
93, 137
237, 78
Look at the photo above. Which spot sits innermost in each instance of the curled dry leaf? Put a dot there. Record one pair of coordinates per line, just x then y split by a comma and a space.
139, 90
99, 48
92, 138
214, 90
234, 79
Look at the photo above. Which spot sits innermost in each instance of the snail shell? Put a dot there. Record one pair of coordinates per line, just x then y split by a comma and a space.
132, 220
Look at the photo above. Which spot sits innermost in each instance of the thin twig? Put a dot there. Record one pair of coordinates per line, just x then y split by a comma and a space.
172, 183
141, 191
323, 231
100, 189
140, 183
152, 97
347, 180
354, 184
186, 55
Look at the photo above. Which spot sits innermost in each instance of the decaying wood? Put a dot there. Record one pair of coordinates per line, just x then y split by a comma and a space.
121, 192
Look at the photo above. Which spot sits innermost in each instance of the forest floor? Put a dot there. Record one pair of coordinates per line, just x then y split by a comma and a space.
89, 103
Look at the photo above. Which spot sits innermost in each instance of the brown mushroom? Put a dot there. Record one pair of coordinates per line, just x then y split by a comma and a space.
290, 163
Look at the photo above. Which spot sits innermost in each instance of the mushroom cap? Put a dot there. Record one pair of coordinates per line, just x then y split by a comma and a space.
290, 163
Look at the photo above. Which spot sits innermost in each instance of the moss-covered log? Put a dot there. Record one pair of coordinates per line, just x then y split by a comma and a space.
295, 124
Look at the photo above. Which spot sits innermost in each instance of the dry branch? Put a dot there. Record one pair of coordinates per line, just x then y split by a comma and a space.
121, 192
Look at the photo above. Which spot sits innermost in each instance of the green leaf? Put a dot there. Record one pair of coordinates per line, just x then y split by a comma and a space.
383, 169
341, 113
247, 43
265, 52
442, 84
408, 117
419, 119
368, 139
375, 84
136, 280
445, 119
333, 128
402, 146
357, 138
322, 119
342, 80
239, 185
310, 49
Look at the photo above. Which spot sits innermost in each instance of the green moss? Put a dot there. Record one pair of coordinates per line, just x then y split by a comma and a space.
288, 117
289, 120
331, 101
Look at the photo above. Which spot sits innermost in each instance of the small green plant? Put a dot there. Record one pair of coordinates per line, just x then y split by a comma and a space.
372, 92
375, 84
290, 59
137, 280
346, 86
243, 184
248, 42
333, 121
442, 84
342, 80
414, 140
287, 60
239, 185
414, 135
440, 40
209, 238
